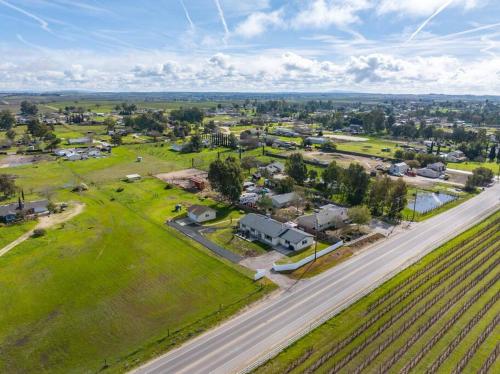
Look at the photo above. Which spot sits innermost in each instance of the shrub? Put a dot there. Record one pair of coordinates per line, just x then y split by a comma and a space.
119, 189
37, 233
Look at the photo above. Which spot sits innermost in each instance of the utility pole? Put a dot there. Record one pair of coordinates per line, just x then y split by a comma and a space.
414, 205
316, 238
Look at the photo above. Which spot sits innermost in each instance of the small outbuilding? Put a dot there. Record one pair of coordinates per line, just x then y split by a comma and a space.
133, 177
201, 213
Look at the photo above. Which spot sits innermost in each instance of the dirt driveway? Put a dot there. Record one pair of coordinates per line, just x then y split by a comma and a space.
45, 223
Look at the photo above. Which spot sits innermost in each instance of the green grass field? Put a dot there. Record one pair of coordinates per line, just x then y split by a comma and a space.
11, 232
226, 239
113, 284
372, 147
471, 165
368, 323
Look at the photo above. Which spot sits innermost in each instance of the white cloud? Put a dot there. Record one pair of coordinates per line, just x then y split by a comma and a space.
267, 71
257, 23
325, 13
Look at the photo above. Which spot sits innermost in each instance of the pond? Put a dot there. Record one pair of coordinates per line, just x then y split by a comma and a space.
427, 201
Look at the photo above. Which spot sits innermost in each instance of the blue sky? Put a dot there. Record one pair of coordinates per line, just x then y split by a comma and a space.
396, 46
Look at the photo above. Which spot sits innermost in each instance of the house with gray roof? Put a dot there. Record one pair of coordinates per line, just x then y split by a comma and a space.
274, 233
11, 212
283, 200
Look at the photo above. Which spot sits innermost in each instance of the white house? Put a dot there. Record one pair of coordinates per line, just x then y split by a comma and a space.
428, 173
399, 169
328, 216
274, 233
201, 213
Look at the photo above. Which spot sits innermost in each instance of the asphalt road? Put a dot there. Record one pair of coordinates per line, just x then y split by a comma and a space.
262, 331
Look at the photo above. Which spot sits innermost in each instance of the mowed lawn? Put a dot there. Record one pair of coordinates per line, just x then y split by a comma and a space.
471, 165
113, 286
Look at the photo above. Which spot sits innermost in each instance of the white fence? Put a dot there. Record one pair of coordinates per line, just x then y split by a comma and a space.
298, 264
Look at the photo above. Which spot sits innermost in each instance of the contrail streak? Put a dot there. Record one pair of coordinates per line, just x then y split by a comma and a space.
188, 17
221, 15
439, 10
43, 24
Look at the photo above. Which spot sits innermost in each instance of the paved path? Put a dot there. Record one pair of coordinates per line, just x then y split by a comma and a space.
251, 337
45, 223
194, 233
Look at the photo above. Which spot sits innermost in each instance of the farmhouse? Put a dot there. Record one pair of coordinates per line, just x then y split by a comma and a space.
328, 216
274, 233
201, 213
398, 169
10, 212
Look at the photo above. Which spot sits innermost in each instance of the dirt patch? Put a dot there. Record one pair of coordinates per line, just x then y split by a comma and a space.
184, 178
19, 160
323, 263
347, 138
359, 244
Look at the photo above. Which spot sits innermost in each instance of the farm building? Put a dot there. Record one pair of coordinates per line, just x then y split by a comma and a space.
201, 213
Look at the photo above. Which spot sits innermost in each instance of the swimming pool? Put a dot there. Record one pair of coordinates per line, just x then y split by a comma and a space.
427, 201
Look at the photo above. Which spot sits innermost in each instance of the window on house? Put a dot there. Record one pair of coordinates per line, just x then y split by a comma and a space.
304, 241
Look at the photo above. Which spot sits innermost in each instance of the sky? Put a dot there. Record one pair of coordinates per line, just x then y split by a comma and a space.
383, 46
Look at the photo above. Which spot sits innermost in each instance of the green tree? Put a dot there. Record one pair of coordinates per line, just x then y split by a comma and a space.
7, 120
397, 199
265, 203
492, 154
110, 123
249, 162
38, 129
28, 108
379, 195
226, 178
233, 141
7, 185
195, 144
116, 139
296, 168
11, 134
332, 177
285, 185
360, 215
355, 183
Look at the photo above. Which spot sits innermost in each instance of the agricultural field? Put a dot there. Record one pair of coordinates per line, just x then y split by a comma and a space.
93, 292
438, 316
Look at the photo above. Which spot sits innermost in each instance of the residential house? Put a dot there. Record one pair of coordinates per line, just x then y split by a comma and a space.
398, 169
284, 200
274, 233
327, 217
10, 212
201, 213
